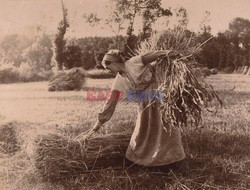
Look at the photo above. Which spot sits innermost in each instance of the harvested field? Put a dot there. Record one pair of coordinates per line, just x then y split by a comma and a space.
218, 154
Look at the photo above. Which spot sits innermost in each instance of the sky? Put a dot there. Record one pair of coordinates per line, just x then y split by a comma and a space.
23, 16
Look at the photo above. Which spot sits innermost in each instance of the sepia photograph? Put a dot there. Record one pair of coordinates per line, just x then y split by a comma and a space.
124, 94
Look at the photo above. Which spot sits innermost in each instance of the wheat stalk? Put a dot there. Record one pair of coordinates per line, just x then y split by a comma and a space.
185, 92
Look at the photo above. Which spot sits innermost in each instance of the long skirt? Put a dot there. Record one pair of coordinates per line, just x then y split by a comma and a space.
150, 144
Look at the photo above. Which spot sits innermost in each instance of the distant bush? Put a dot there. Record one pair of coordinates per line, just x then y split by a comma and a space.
30, 73
99, 74
9, 73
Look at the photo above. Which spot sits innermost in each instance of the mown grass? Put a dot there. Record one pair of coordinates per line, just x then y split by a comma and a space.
218, 153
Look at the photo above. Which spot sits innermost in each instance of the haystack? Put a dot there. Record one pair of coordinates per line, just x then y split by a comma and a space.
245, 70
241, 69
206, 72
248, 72
67, 80
59, 157
8, 139
238, 69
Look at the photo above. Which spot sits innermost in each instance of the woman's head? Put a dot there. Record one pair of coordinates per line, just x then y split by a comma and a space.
113, 61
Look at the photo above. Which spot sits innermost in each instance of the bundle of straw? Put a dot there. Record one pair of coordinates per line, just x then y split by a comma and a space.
8, 139
185, 92
58, 157
178, 76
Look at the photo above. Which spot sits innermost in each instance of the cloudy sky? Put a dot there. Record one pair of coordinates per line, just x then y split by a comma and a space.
21, 16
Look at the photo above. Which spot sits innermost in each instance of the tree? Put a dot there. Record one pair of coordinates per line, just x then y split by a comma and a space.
59, 42
209, 55
239, 26
239, 32
12, 47
114, 21
204, 25
223, 45
124, 13
150, 11
72, 56
39, 54
182, 17
229, 50
94, 48
150, 14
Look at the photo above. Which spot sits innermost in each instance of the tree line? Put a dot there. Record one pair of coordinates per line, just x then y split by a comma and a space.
227, 51
230, 50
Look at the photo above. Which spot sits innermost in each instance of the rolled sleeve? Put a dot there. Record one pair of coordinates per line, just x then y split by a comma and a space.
118, 89
152, 56
109, 107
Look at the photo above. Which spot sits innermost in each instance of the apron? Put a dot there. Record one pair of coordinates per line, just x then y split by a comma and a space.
150, 144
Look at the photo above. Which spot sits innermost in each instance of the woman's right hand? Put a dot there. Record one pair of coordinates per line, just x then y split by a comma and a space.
94, 129
97, 126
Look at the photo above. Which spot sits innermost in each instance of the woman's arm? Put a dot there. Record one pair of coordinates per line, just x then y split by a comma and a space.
107, 111
119, 86
109, 108
152, 56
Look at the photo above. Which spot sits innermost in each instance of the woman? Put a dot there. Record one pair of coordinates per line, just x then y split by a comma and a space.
150, 144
